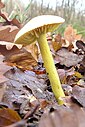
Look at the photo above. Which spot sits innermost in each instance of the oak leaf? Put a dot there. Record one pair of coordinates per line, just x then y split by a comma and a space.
71, 35
8, 117
7, 33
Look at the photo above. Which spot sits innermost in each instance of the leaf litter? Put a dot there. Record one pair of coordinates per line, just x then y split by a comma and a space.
25, 88
68, 58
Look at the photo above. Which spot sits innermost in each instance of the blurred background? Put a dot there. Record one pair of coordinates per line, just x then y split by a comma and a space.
73, 11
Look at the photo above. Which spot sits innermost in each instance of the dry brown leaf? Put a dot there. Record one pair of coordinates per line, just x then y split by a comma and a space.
58, 42
70, 34
81, 82
23, 59
82, 66
63, 117
25, 86
10, 45
71, 37
8, 117
16, 23
56, 45
3, 68
63, 74
7, 33
21, 123
7, 49
79, 94
81, 45
33, 49
68, 58
2, 90
41, 102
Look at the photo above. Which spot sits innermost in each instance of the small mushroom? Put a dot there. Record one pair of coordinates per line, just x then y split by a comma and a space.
36, 29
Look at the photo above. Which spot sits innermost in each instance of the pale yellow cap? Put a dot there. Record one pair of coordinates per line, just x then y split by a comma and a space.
36, 26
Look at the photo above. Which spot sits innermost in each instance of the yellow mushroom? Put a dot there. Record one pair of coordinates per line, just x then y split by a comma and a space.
36, 29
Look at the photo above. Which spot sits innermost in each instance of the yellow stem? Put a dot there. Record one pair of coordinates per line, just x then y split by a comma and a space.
50, 68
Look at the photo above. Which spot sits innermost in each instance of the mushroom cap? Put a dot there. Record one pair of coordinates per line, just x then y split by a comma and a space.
36, 26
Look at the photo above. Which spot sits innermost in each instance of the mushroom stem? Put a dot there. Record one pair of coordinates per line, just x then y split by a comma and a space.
50, 68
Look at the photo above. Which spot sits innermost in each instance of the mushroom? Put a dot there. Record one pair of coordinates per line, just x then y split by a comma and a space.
36, 29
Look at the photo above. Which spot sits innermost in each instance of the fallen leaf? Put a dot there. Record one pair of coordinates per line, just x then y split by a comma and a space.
33, 49
25, 58
82, 66
81, 45
63, 117
81, 83
79, 94
23, 86
15, 22
77, 74
41, 102
21, 59
67, 89
2, 90
70, 34
8, 33
57, 44
39, 71
68, 58
63, 74
9, 45
3, 68
21, 123
8, 117
29, 81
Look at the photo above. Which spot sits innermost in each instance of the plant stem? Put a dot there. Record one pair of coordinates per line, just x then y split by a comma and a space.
50, 68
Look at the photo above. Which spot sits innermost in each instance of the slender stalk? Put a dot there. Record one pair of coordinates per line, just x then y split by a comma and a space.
50, 68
